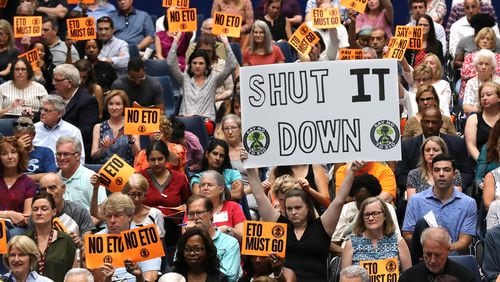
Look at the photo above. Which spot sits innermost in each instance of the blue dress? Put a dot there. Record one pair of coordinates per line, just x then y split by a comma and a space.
363, 249
121, 147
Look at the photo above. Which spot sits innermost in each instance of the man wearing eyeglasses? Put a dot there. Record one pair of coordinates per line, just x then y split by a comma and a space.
200, 213
75, 176
51, 125
41, 159
436, 244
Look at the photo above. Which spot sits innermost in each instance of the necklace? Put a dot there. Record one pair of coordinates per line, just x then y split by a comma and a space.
43, 256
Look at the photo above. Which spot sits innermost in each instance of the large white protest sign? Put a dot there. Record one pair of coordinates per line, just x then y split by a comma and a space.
320, 112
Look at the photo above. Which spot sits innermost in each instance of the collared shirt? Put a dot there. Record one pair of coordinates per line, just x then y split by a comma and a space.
458, 11
47, 137
228, 251
116, 50
104, 9
121, 273
461, 29
458, 214
59, 51
33, 276
79, 189
134, 26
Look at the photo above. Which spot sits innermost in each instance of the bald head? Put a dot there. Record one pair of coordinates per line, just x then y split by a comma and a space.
53, 184
431, 121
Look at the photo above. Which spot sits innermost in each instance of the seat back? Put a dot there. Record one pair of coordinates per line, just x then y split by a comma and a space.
6, 126
470, 263
287, 51
237, 52
133, 51
196, 124
169, 100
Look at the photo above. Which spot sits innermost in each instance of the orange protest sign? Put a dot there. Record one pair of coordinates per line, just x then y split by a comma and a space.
32, 56
227, 24
397, 47
58, 225
3, 3
326, 18
357, 5
31, 26
261, 238
414, 34
114, 173
142, 243
176, 3
81, 28
303, 39
3, 237
351, 54
382, 270
102, 248
181, 20
142, 121
88, 2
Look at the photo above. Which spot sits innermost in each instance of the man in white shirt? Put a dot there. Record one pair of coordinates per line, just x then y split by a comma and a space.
462, 27
51, 125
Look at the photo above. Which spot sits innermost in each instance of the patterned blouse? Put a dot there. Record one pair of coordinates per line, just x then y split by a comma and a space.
363, 249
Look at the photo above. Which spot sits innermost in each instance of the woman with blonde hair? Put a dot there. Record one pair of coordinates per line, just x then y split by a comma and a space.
441, 86
421, 178
262, 51
8, 50
21, 259
374, 237
279, 188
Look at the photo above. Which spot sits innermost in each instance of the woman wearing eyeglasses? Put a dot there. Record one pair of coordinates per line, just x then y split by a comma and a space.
137, 188
426, 97
16, 188
21, 95
374, 237
197, 257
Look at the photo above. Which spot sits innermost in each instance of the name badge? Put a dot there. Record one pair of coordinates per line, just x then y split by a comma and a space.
220, 217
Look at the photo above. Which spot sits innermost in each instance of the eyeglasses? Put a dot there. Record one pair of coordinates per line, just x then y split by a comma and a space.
375, 214
20, 69
22, 124
195, 214
422, 80
58, 79
50, 187
45, 110
66, 155
137, 194
428, 99
197, 250
230, 128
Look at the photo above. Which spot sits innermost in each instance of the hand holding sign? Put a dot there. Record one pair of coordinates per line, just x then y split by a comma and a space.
133, 268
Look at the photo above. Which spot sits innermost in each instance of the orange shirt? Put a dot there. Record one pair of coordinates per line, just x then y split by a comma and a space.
176, 151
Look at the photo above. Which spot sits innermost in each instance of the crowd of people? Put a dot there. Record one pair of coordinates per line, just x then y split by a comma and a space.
68, 117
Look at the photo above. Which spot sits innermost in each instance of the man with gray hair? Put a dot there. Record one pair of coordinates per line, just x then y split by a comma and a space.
436, 243
40, 159
354, 273
78, 275
75, 176
81, 107
51, 125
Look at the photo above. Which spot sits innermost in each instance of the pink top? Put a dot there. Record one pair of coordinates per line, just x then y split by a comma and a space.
379, 22
274, 57
167, 41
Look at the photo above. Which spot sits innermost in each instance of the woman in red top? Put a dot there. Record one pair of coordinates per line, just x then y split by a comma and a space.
262, 51
168, 189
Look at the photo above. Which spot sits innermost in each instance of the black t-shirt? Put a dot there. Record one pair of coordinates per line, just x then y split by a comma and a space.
307, 256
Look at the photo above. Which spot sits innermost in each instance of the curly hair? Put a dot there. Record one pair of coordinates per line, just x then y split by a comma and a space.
12, 141
212, 263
